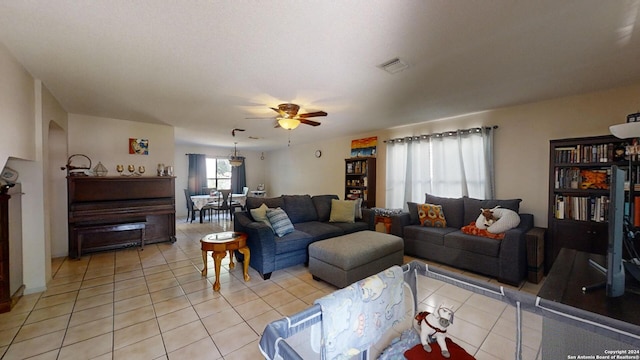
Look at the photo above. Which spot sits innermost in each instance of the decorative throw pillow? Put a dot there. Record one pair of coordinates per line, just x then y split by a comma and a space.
471, 229
279, 221
260, 214
431, 215
358, 208
342, 211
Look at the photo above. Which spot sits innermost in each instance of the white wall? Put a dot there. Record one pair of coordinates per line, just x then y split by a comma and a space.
521, 151
106, 140
255, 167
17, 99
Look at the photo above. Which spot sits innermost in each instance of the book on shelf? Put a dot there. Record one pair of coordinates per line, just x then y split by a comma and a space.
582, 208
597, 153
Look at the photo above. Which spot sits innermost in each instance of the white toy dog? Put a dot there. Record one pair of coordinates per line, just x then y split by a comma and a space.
433, 327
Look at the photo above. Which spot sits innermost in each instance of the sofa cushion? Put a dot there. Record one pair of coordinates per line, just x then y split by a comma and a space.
348, 228
319, 230
279, 221
323, 206
431, 215
260, 214
292, 242
472, 207
471, 243
342, 211
453, 209
255, 202
428, 234
300, 208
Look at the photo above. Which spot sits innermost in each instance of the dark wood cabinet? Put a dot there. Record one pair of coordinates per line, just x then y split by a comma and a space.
360, 180
579, 172
113, 212
5, 292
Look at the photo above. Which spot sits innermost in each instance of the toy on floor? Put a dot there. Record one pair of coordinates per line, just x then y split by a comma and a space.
433, 327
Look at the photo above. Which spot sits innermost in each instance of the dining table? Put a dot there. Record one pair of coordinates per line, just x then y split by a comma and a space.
201, 201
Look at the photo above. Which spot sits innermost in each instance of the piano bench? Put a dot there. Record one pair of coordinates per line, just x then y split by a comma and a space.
84, 230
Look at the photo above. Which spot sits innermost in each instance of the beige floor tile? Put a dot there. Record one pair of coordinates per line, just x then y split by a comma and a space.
124, 284
30, 331
265, 288
49, 312
279, 298
135, 333
177, 318
44, 302
128, 293
205, 294
97, 281
150, 348
166, 294
470, 332
61, 289
35, 346
132, 317
184, 335
253, 308
90, 302
96, 290
234, 338
162, 284
249, 351
241, 296
10, 320
49, 355
6, 336
171, 305
221, 321
88, 349
291, 308
132, 303
476, 316
259, 322
196, 285
128, 275
26, 303
203, 349
92, 314
212, 306
88, 330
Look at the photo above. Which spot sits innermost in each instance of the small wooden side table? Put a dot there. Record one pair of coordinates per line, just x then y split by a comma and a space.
386, 220
219, 244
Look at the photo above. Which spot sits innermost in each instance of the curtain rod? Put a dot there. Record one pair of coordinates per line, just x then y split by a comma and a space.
442, 134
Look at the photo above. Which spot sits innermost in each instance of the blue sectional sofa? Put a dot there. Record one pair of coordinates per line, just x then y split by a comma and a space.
504, 259
310, 217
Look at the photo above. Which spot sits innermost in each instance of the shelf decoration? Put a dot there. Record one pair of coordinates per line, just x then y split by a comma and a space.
364, 147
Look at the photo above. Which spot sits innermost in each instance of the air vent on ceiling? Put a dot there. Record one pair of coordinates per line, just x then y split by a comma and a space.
393, 66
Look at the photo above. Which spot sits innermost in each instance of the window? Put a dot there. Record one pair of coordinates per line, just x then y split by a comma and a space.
453, 164
218, 173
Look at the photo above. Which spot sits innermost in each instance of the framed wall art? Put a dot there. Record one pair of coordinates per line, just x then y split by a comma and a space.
138, 146
364, 147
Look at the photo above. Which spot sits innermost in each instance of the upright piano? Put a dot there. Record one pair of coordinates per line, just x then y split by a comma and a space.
119, 211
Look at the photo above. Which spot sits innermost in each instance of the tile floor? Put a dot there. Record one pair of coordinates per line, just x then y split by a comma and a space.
154, 304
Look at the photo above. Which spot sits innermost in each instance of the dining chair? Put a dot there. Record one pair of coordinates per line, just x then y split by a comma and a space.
191, 215
233, 205
223, 202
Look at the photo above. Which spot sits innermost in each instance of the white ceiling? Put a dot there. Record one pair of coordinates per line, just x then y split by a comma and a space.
205, 66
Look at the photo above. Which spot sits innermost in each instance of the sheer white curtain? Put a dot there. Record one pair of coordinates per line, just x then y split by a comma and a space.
408, 170
453, 164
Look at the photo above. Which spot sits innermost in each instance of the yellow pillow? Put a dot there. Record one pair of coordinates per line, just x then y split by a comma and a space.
431, 215
342, 211
260, 214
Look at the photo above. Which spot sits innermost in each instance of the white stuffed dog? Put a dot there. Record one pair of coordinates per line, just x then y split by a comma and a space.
433, 327
497, 220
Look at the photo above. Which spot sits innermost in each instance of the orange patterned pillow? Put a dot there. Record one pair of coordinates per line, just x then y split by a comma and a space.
471, 229
431, 215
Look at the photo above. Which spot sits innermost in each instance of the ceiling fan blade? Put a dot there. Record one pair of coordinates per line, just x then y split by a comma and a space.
312, 114
282, 113
309, 122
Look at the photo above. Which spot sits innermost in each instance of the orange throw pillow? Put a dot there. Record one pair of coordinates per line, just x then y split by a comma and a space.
471, 229
431, 215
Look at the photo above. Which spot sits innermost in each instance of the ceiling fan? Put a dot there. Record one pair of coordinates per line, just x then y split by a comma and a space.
288, 117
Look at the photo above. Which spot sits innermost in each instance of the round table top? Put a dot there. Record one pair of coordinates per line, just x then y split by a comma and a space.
222, 237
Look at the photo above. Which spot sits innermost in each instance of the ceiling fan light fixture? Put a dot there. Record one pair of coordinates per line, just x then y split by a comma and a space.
288, 123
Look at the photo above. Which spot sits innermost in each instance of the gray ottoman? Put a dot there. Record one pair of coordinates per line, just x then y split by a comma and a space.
345, 259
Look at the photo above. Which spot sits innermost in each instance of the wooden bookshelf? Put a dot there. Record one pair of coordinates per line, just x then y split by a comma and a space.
360, 180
